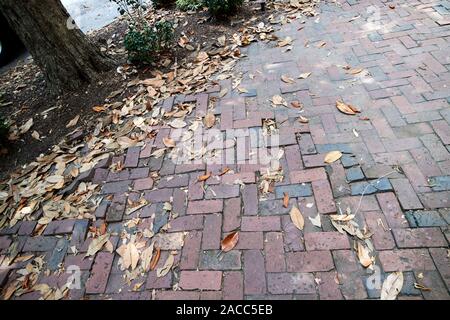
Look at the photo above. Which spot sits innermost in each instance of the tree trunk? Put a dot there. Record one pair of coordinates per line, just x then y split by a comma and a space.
66, 56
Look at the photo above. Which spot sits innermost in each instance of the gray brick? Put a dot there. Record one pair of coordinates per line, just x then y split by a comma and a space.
294, 190
210, 260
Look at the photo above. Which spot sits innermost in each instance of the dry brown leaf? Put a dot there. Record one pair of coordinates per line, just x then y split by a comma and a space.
363, 256
304, 75
97, 244
285, 199
36, 135
392, 286
287, 79
161, 272
146, 258
297, 218
169, 142
355, 71
155, 259
279, 101
230, 241
73, 122
224, 171
209, 120
321, 44
286, 41
99, 108
296, 104
332, 156
346, 108
302, 119
204, 177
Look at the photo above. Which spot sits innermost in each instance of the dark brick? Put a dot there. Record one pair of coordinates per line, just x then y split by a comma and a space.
285, 283
58, 254
294, 191
254, 272
211, 260
354, 174
40, 244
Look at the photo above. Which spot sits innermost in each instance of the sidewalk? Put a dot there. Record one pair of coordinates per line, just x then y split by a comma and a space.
398, 75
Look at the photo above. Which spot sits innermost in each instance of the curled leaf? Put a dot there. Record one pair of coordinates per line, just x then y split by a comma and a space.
297, 218
346, 108
363, 256
161, 272
169, 142
210, 120
230, 241
392, 286
332, 156
204, 177
286, 200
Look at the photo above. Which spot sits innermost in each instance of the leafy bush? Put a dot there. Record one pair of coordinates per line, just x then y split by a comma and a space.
186, 5
222, 8
142, 45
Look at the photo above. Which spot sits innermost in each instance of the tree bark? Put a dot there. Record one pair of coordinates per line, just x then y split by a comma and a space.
66, 56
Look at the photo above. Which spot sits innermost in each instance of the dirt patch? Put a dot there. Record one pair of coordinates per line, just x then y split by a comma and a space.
25, 91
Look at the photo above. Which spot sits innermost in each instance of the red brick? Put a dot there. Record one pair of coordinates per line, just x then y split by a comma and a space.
419, 237
233, 285
418, 181
316, 160
307, 175
212, 232
132, 158
250, 240
155, 282
310, 261
177, 295
211, 295
222, 191
442, 129
5, 242
245, 177
328, 288
179, 202
326, 241
431, 279
195, 190
274, 252
204, 206
435, 199
293, 240
60, 227
306, 144
403, 104
204, 280
247, 123
405, 260
79, 261
232, 214
161, 195
392, 211
100, 272
382, 237
201, 104
270, 223
284, 283
27, 228
254, 272
250, 199
191, 249
442, 262
186, 223
323, 196
226, 120
180, 180
143, 184
293, 158
425, 162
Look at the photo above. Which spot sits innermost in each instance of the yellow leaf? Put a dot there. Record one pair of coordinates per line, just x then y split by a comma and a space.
297, 218
332, 156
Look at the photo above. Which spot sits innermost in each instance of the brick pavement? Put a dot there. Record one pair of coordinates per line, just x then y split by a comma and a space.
402, 136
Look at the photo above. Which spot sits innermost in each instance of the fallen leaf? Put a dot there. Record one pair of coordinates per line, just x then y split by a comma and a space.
296, 104
342, 217
355, 71
146, 258
204, 177
346, 108
224, 171
355, 133
392, 286
304, 75
36, 135
302, 119
73, 122
321, 44
161, 272
97, 244
421, 287
332, 156
286, 200
169, 142
177, 124
155, 259
223, 92
230, 241
27, 126
99, 108
286, 41
297, 218
279, 101
221, 40
363, 256
316, 221
209, 120
287, 79
392, 6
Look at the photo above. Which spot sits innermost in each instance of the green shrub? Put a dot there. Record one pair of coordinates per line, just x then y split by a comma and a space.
142, 44
222, 8
186, 5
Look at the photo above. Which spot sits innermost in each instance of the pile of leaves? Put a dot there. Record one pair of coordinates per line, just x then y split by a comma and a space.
54, 187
